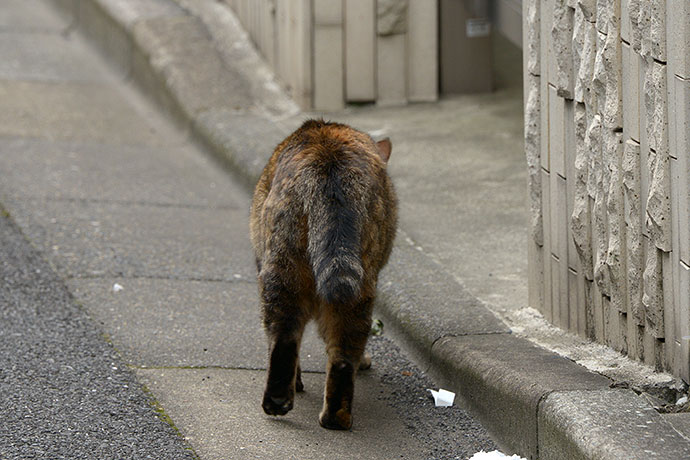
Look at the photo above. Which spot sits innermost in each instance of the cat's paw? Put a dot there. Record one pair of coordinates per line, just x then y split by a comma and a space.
277, 405
341, 420
365, 362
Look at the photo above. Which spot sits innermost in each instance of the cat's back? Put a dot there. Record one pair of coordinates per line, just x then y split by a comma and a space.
322, 165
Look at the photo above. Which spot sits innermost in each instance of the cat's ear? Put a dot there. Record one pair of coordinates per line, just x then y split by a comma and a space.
384, 148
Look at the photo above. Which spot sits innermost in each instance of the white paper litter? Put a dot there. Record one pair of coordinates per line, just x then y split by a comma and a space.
494, 455
682, 401
442, 398
117, 287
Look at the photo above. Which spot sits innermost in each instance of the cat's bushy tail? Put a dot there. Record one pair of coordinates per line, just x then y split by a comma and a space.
334, 241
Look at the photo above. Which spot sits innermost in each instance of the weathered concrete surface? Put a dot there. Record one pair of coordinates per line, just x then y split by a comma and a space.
504, 378
605, 424
244, 141
178, 323
29, 16
411, 280
88, 239
680, 422
67, 110
39, 57
65, 391
212, 407
115, 173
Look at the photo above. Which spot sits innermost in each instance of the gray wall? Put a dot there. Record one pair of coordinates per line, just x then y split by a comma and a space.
607, 105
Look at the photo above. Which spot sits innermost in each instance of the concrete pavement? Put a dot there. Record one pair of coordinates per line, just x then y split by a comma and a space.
130, 314
434, 293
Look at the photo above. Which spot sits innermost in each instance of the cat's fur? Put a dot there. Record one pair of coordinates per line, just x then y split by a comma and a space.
323, 220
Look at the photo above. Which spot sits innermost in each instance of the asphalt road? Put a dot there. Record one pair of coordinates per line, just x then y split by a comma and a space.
66, 394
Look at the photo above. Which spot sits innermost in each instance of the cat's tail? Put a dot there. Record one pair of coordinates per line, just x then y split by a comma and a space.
334, 241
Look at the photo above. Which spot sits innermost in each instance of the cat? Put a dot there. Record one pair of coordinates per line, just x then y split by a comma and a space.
323, 220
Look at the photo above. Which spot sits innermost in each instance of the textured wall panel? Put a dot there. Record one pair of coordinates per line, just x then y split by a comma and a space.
530, 36
593, 151
532, 152
625, 21
599, 75
625, 64
678, 33
655, 105
653, 296
635, 29
577, 44
562, 42
422, 46
631, 94
580, 220
615, 258
612, 62
634, 245
681, 136
657, 29
658, 206
644, 23
603, 13
588, 8
583, 82
659, 201
360, 50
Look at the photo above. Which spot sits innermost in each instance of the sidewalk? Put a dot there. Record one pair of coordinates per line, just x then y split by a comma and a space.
458, 170
125, 260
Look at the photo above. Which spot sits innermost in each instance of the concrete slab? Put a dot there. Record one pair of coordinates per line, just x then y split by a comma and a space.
608, 424
128, 12
88, 239
69, 111
29, 16
502, 379
46, 57
65, 391
231, 41
181, 323
250, 138
186, 63
219, 413
424, 303
47, 169
680, 422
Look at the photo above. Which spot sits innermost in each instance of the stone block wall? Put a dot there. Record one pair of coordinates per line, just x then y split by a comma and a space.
607, 139
331, 52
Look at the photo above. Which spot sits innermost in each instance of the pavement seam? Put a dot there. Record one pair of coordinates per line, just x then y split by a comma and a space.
162, 415
151, 204
222, 368
162, 278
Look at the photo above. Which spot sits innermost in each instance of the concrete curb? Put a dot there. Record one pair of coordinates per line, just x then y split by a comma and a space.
536, 403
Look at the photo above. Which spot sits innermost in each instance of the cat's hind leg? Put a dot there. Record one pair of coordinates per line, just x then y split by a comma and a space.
284, 322
345, 330
365, 362
299, 386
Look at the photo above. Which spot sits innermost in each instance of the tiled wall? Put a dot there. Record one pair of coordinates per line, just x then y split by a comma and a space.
331, 52
607, 139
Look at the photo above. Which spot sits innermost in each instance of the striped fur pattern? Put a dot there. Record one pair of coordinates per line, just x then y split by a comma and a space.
323, 220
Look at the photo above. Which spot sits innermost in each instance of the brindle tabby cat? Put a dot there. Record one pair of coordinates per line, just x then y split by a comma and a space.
322, 224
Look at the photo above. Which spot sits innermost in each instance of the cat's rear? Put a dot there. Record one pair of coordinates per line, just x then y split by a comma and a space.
322, 224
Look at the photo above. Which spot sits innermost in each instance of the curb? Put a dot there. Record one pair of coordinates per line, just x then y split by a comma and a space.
536, 403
